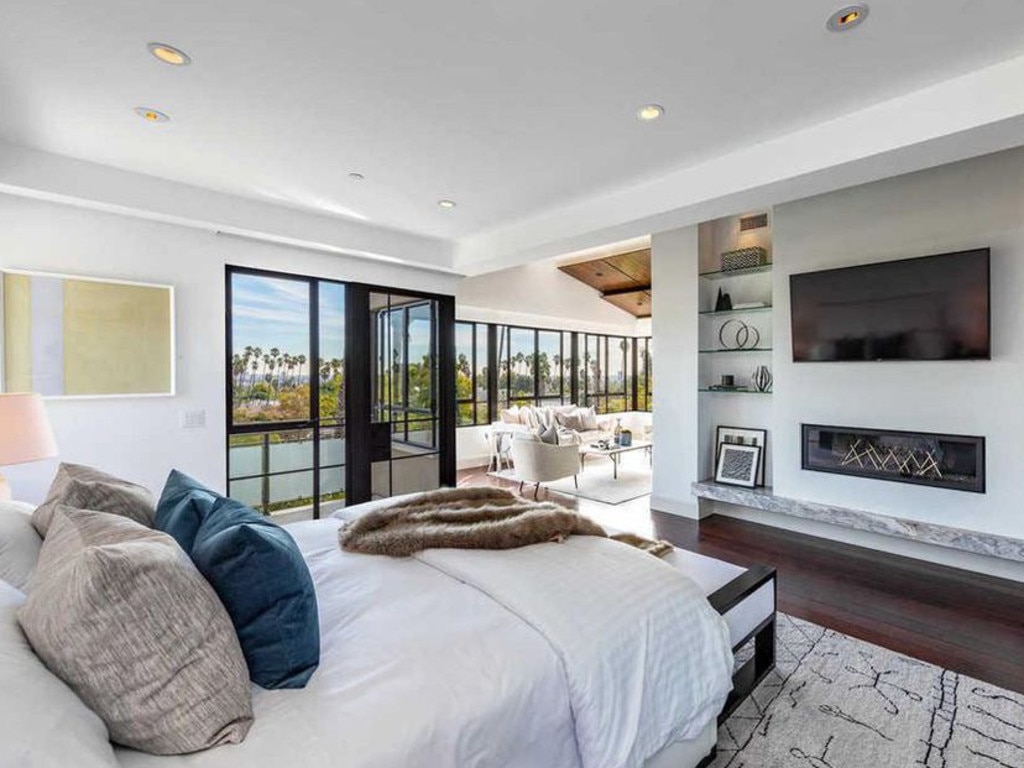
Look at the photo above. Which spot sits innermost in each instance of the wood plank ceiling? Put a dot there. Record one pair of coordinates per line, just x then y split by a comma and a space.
623, 280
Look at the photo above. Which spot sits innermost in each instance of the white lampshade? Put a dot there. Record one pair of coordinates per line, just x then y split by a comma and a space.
25, 433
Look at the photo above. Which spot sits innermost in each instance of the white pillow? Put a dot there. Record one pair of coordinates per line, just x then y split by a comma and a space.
45, 725
19, 543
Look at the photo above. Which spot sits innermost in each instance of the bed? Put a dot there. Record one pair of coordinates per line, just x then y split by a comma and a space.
422, 665
418, 668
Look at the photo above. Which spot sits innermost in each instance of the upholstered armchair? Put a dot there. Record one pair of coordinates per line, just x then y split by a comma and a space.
538, 462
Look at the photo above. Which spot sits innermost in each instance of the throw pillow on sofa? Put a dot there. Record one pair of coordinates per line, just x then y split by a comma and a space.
259, 574
120, 614
82, 487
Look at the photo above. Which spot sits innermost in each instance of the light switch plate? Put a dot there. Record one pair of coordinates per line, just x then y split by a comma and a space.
193, 419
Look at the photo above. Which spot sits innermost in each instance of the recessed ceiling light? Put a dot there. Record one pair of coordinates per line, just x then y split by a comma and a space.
446, 204
649, 112
152, 115
356, 176
168, 54
847, 18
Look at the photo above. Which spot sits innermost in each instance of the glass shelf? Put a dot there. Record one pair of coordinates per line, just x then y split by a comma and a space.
723, 274
742, 311
732, 351
738, 391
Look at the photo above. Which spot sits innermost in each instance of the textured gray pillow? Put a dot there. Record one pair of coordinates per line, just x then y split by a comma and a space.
19, 543
573, 421
119, 613
83, 487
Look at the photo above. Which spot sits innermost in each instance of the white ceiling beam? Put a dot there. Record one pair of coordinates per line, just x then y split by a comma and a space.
45, 176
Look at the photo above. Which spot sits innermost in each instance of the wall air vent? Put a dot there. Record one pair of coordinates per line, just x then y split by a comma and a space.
757, 221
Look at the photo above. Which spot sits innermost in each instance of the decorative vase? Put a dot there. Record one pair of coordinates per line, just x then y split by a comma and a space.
724, 302
761, 379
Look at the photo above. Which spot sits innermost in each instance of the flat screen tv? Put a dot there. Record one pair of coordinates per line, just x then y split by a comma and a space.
930, 308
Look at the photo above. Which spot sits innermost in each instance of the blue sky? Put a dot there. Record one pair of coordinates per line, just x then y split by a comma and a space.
274, 312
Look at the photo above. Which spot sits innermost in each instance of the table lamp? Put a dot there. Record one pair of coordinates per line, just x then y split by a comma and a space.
25, 433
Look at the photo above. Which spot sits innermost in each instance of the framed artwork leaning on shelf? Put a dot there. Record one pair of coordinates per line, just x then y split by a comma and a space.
737, 464
743, 436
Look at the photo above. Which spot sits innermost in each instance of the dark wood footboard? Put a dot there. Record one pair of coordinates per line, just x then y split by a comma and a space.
724, 599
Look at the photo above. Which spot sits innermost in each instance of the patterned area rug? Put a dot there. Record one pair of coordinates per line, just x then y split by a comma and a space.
837, 702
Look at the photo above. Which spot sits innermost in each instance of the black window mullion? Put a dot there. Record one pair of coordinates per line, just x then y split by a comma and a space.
314, 388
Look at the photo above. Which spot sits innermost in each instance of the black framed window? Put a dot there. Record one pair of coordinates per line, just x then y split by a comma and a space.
286, 414
644, 374
471, 373
539, 366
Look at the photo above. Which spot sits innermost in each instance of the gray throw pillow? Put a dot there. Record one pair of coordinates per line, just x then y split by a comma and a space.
548, 435
19, 543
573, 421
120, 614
83, 487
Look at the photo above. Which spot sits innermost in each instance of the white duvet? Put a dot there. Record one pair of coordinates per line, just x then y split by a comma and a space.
447, 662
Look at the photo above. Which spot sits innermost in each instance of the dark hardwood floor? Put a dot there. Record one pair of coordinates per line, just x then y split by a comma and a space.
960, 620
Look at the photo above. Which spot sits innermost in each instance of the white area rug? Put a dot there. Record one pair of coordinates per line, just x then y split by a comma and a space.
837, 702
597, 484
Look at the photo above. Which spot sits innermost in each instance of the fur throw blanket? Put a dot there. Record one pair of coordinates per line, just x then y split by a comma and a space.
470, 518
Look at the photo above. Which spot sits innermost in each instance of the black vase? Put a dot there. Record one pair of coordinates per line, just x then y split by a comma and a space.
724, 302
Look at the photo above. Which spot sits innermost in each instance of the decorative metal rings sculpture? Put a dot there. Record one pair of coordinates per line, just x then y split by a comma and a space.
743, 337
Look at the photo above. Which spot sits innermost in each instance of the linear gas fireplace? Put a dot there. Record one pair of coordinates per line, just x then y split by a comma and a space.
923, 458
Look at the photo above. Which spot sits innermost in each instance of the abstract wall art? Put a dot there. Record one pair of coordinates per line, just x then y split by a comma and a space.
66, 336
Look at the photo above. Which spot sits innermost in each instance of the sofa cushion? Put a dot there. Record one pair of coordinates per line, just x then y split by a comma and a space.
258, 571
510, 415
184, 504
44, 722
120, 613
589, 417
19, 543
84, 487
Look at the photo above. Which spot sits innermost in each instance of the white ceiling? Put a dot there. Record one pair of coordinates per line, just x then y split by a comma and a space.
509, 108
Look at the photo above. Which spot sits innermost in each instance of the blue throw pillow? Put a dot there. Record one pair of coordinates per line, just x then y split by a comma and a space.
258, 572
184, 504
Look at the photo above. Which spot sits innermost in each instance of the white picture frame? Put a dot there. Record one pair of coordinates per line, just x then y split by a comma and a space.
737, 464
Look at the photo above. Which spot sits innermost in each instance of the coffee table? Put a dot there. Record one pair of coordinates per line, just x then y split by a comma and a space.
614, 452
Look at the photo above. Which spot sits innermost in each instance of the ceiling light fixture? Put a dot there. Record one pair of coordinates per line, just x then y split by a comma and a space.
168, 54
847, 18
446, 204
152, 115
356, 176
649, 112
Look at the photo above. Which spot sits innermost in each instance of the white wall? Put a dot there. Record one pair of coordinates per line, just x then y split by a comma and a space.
674, 257
540, 294
141, 439
976, 203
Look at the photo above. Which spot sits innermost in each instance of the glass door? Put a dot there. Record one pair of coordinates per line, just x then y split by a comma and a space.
336, 392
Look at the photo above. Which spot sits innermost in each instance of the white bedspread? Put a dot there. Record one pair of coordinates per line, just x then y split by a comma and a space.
646, 658
420, 669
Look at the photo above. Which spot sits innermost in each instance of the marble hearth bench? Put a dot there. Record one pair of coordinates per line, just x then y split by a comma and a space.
930, 533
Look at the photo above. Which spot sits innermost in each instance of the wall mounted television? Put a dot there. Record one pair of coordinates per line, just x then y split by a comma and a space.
928, 308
